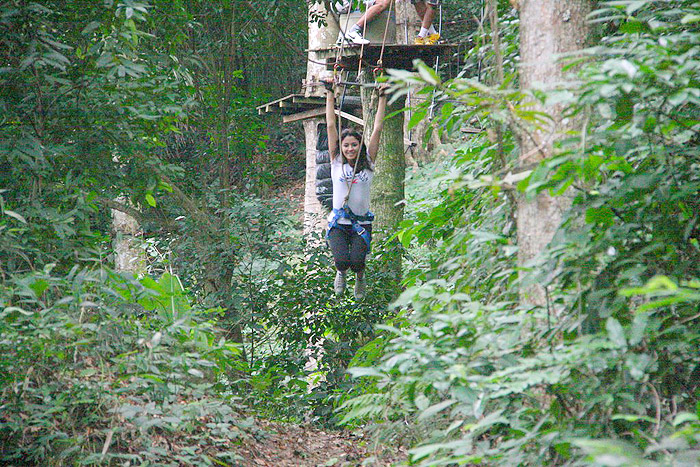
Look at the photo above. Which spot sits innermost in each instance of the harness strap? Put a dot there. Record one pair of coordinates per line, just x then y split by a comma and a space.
346, 213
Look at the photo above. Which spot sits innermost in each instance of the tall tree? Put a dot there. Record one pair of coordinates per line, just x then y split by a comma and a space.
388, 186
548, 29
129, 255
314, 71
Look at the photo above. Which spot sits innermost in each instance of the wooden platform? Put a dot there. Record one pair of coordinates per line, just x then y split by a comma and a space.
295, 107
295, 103
395, 55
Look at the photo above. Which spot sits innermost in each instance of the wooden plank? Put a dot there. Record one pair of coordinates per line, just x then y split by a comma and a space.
277, 101
304, 115
309, 100
350, 117
276, 110
318, 113
393, 55
295, 103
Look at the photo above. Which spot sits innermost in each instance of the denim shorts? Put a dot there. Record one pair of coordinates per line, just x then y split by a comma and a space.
429, 2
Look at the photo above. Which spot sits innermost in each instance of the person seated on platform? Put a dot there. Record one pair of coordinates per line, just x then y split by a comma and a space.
426, 11
354, 34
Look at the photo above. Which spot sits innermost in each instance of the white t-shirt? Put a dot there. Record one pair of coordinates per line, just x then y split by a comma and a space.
359, 195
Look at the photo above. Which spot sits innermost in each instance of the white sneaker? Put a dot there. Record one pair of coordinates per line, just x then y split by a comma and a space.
360, 287
340, 7
354, 36
339, 283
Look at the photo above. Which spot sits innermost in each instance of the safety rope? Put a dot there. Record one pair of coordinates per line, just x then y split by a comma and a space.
386, 29
436, 66
337, 66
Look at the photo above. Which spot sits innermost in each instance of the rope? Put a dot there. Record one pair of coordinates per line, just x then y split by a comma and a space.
336, 78
340, 109
386, 29
342, 42
362, 47
410, 107
437, 65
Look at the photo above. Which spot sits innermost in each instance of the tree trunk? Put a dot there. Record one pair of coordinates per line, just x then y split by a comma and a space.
314, 221
548, 28
229, 68
388, 186
313, 213
129, 255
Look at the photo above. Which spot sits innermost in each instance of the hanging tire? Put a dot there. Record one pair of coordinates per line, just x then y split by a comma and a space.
324, 183
323, 170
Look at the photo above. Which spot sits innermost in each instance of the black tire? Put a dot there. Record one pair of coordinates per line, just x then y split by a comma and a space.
323, 171
324, 183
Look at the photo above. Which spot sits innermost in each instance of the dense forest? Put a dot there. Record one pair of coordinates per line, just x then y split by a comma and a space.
534, 284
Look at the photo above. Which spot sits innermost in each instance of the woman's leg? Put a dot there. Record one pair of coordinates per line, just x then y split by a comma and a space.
358, 256
358, 251
372, 12
339, 239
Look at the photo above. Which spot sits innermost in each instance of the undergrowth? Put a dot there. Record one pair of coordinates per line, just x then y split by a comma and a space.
100, 368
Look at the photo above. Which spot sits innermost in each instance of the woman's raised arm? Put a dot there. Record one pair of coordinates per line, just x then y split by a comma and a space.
373, 146
331, 123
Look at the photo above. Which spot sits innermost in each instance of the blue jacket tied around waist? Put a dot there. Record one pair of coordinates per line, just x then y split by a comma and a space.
346, 213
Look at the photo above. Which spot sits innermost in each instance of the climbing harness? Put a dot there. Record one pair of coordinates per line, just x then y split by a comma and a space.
346, 213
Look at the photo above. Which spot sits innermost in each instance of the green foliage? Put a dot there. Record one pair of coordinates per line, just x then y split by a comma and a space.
468, 233
98, 368
608, 372
149, 106
83, 93
639, 176
479, 58
301, 337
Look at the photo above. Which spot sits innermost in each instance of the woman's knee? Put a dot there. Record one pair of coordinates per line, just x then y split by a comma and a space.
384, 4
343, 265
357, 266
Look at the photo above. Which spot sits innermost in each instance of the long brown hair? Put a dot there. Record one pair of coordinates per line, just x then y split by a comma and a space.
363, 158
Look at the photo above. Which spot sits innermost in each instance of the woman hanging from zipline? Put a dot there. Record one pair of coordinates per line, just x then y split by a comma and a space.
352, 169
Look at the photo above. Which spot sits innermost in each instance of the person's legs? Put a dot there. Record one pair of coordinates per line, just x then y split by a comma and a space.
355, 33
372, 12
339, 240
426, 11
349, 252
358, 250
358, 256
420, 8
428, 16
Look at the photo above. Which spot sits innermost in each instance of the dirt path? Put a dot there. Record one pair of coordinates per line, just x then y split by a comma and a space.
302, 446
